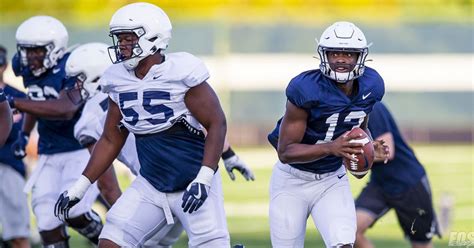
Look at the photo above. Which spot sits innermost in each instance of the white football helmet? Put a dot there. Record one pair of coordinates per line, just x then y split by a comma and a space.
85, 66
151, 25
42, 31
345, 37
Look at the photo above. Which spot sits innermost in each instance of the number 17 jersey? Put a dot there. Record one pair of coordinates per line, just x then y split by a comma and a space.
330, 112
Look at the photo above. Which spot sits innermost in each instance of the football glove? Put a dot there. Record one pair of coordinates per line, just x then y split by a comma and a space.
71, 197
197, 191
19, 146
236, 163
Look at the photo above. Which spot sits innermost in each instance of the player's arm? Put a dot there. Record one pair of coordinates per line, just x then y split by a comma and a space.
292, 129
19, 146
203, 103
5, 120
59, 109
109, 144
105, 151
107, 183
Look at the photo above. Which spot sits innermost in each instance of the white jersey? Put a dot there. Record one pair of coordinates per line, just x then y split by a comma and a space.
91, 126
92, 113
154, 103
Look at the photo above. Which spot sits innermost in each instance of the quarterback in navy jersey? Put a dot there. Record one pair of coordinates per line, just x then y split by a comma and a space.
311, 139
165, 101
40, 60
401, 184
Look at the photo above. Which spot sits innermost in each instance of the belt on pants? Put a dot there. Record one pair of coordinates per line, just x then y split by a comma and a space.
306, 175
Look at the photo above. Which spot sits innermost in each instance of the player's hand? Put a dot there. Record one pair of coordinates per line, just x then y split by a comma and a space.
65, 202
342, 147
19, 146
381, 151
236, 163
198, 190
71, 197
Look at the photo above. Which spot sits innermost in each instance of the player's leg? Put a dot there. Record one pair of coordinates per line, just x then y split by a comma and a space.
416, 215
289, 209
370, 206
81, 217
134, 218
15, 215
334, 213
43, 197
206, 227
166, 238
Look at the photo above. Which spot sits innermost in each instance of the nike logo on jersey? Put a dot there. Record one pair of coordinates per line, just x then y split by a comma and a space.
365, 96
56, 70
341, 176
156, 77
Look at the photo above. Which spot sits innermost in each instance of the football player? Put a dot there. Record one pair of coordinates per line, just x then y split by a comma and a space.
40, 60
5, 118
165, 101
15, 217
5, 111
402, 184
85, 66
312, 138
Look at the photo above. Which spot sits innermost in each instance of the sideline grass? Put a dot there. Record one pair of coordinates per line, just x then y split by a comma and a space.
449, 167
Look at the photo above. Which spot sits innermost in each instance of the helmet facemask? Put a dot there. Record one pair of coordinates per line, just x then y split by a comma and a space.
46, 60
354, 70
84, 89
139, 50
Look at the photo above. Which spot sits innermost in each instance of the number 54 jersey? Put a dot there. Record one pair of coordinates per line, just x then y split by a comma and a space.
154, 103
330, 112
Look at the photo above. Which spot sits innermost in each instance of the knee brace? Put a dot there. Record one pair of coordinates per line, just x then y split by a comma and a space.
88, 225
56, 238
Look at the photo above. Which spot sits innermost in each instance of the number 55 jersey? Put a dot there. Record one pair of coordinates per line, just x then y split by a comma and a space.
170, 141
330, 112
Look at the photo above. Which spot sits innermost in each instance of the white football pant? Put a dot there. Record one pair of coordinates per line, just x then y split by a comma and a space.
296, 194
140, 213
55, 173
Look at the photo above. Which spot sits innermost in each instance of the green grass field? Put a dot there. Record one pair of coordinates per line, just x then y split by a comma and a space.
449, 167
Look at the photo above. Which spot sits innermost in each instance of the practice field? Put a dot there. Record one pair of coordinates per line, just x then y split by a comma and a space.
449, 167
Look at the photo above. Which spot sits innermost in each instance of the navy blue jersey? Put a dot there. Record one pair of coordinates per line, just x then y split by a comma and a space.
404, 171
171, 159
6, 154
330, 112
2, 96
54, 136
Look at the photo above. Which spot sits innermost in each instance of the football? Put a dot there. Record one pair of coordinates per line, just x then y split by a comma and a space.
362, 167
